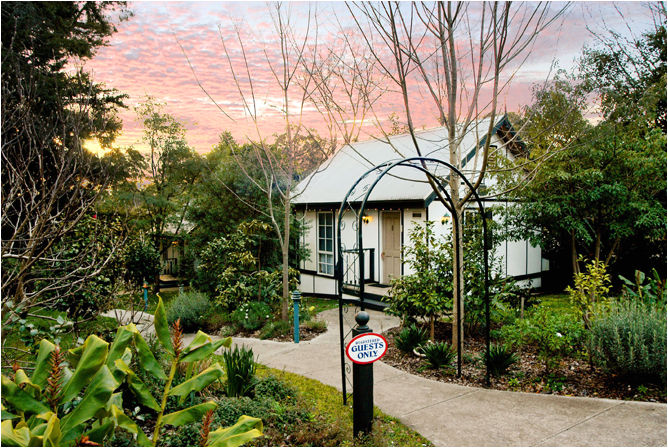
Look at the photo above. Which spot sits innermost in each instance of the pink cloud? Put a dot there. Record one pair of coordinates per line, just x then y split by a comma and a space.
145, 58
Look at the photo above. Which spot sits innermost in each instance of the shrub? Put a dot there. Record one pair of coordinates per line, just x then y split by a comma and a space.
629, 339
438, 354
590, 288
410, 337
553, 333
652, 292
252, 315
240, 367
501, 358
275, 329
273, 387
316, 326
191, 308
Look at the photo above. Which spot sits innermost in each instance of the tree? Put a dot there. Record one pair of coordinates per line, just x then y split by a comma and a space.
167, 175
628, 75
49, 181
602, 191
456, 53
283, 158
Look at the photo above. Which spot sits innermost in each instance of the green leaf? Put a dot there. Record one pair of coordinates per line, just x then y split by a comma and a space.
74, 355
52, 433
146, 358
43, 363
96, 397
206, 350
200, 339
245, 429
14, 437
7, 415
92, 359
192, 414
138, 387
19, 399
121, 341
21, 378
126, 423
162, 327
198, 382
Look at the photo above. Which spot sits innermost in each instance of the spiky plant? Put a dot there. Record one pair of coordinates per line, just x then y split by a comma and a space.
206, 428
54, 381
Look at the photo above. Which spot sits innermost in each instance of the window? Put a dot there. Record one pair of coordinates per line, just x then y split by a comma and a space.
326, 243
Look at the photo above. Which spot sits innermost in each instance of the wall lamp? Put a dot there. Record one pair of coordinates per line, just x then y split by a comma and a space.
366, 219
445, 219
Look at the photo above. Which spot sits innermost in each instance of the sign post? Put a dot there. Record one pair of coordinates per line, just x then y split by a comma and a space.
363, 350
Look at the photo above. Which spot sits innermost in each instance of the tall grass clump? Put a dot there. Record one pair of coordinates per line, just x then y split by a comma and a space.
240, 368
628, 339
191, 308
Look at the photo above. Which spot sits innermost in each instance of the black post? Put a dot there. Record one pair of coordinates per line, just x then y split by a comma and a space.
362, 385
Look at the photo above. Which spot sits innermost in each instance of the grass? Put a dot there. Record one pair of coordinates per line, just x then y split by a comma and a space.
327, 404
321, 304
557, 302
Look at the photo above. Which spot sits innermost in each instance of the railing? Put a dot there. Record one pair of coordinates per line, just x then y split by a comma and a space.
351, 266
170, 266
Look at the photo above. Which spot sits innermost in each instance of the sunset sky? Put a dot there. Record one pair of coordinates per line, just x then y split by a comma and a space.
144, 58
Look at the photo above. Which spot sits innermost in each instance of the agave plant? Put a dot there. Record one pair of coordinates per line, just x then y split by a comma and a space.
58, 406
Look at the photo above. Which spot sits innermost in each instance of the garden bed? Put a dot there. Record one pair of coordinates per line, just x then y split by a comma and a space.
306, 333
572, 376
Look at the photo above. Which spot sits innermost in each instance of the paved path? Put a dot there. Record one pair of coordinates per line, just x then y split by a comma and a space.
453, 415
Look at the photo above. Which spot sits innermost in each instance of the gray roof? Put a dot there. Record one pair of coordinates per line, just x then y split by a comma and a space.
334, 178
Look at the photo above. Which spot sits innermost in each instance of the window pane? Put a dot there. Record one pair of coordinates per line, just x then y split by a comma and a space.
329, 232
329, 245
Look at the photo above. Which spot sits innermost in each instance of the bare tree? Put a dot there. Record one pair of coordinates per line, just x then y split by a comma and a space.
305, 74
455, 53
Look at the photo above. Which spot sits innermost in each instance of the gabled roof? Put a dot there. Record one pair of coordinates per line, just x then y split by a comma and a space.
330, 183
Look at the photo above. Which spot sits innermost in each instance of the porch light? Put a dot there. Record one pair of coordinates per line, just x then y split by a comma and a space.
366, 219
445, 219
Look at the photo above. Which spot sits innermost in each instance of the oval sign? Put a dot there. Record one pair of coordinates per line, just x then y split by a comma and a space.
366, 348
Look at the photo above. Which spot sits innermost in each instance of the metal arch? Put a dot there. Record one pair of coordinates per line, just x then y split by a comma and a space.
345, 204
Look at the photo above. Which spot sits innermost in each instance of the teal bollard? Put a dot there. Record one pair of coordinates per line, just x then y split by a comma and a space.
145, 286
296, 298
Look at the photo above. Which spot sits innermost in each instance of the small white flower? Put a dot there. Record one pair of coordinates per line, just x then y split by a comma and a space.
559, 334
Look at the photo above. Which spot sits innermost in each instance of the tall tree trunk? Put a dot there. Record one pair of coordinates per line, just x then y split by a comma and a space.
286, 251
574, 254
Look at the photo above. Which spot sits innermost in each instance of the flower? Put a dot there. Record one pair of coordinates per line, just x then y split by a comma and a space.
559, 334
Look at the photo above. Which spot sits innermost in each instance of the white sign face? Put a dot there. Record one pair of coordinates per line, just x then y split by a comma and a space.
366, 348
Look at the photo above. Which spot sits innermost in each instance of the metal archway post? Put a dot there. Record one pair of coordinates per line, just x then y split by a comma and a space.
407, 162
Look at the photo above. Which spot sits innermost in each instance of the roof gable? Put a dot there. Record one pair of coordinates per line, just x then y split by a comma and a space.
335, 176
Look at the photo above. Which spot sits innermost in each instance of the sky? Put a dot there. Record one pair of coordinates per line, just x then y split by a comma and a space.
175, 52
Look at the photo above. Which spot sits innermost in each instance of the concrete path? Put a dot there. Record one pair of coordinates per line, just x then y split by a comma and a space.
453, 415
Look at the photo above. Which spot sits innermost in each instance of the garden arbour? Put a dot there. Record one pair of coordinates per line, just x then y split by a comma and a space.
356, 203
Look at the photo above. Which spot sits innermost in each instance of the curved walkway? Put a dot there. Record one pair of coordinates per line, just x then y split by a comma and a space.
453, 415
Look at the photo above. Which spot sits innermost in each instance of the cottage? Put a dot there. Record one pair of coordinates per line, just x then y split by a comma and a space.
397, 203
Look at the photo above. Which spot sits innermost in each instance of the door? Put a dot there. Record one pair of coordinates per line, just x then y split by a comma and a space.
391, 254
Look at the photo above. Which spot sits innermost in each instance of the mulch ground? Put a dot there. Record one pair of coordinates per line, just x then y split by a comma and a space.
571, 377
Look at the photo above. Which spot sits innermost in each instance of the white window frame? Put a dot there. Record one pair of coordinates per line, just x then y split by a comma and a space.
325, 267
